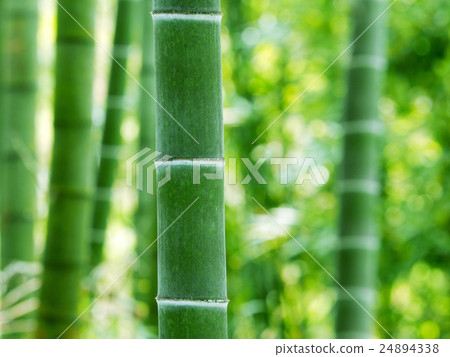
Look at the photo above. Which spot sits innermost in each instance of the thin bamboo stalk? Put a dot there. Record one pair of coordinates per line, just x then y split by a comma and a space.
70, 181
18, 177
126, 10
192, 300
3, 112
145, 290
20, 93
359, 185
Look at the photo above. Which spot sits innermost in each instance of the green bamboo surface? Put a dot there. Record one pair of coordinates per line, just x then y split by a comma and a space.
145, 288
19, 177
3, 114
192, 300
359, 185
20, 93
70, 183
125, 18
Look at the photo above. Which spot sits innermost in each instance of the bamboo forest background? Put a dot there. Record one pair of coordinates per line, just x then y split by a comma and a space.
271, 51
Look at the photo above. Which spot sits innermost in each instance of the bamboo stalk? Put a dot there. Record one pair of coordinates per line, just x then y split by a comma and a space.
111, 141
192, 300
70, 181
145, 289
20, 87
359, 185
3, 111
18, 201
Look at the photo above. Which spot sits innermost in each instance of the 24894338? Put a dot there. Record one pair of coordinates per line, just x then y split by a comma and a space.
405, 348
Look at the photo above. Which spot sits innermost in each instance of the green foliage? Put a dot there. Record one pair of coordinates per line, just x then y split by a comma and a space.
19, 283
287, 46
416, 208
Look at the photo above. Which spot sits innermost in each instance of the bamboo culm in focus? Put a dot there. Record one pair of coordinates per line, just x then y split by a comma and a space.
192, 300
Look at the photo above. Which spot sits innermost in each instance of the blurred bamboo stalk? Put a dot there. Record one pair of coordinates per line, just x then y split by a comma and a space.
70, 182
359, 184
3, 113
192, 299
19, 59
145, 278
110, 150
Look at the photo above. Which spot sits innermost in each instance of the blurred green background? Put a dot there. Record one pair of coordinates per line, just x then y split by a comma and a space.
272, 51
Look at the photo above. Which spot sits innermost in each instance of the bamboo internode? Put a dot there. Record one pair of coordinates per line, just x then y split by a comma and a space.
192, 300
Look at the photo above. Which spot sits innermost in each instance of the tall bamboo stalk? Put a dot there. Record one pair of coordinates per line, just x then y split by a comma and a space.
70, 182
359, 185
145, 270
126, 10
192, 300
20, 28
3, 114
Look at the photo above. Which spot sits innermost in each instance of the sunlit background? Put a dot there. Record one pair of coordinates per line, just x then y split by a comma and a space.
272, 51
